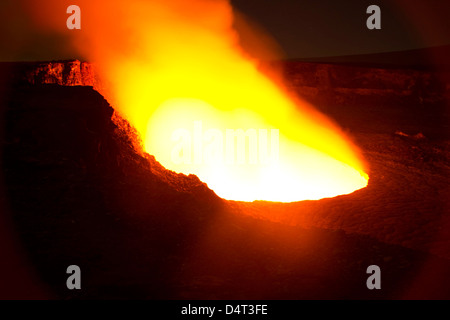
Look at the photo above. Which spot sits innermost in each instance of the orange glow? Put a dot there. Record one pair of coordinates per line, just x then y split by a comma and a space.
177, 66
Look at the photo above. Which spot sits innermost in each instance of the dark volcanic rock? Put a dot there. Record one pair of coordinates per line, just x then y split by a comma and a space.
81, 192
65, 73
72, 175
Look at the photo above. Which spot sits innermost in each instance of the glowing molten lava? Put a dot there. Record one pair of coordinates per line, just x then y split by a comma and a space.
240, 154
179, 75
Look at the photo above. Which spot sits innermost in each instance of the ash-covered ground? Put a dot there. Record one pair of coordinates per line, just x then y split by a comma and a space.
77, 192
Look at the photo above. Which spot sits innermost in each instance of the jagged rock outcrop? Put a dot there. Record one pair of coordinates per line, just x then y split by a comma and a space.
65, 73
69, 73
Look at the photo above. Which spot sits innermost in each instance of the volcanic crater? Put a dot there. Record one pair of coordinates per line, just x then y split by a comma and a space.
80, 190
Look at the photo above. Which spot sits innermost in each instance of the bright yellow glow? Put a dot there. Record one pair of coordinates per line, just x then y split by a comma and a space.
172, 66
301, 172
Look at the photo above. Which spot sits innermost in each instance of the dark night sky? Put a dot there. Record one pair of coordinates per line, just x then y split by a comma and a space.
315, 28
302, 28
